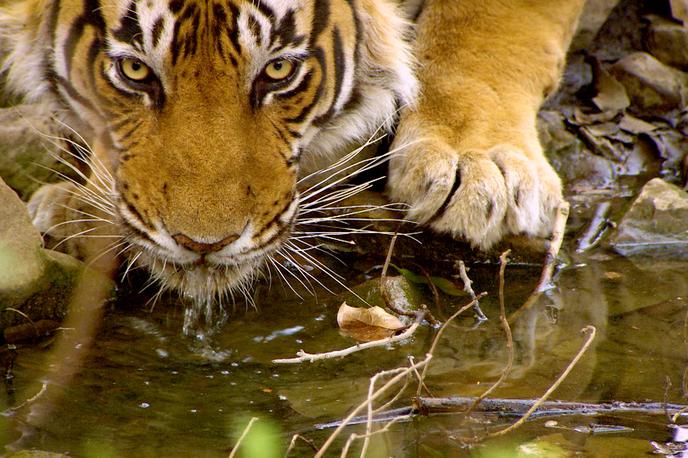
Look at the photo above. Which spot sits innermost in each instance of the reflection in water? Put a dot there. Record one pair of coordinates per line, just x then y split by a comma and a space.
146, 388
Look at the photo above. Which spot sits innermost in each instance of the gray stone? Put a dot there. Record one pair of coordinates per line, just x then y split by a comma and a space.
652, 86
577, 166
656, 224
594, 15
668, 42
679, 10
36, 282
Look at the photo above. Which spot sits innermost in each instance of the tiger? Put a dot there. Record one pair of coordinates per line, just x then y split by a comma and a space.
202, 118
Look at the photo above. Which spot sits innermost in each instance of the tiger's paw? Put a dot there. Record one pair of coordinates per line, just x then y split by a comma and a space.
480, 195
49, 207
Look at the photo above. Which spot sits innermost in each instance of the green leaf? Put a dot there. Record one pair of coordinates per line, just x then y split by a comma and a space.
445, 285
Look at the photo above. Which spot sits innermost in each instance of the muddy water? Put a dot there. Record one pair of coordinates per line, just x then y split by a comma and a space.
147, 390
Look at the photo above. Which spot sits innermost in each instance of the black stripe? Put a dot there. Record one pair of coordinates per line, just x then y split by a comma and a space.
107, 79
72, 93
176, 6
233, 28
49, 55
157, 30
257, 31
266, 11
190, 11
275, 219
90, 16
301, 87
125, 136
286, 32
319, 55
75, 33
359, 32
129, 28
339, 70
93, 51
321, 18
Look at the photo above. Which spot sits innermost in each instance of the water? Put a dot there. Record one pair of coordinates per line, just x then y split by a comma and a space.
145, 389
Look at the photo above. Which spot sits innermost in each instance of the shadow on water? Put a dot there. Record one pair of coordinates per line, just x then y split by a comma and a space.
148, 390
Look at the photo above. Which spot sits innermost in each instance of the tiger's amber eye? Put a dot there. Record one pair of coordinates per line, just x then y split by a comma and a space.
280, 69
134, 70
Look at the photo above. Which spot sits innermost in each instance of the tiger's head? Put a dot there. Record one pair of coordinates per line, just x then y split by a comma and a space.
206, 112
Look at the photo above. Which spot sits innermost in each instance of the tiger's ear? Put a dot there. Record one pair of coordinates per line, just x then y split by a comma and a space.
386, 45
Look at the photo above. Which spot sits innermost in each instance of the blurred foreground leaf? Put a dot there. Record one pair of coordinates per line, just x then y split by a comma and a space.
443, 284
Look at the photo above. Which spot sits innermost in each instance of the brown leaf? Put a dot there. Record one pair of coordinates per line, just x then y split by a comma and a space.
611, 95
366, 324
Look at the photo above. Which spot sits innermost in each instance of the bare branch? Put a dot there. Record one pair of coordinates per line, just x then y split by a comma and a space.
393, 381
467, 286
303, 356
550, 258
503, 260
569, 368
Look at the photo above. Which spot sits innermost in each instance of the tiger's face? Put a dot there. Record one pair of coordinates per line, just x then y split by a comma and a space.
203, 111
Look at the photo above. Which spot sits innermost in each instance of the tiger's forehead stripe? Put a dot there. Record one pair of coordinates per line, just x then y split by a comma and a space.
179, 38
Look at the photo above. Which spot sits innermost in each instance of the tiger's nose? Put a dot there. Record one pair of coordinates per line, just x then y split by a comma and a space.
201, 247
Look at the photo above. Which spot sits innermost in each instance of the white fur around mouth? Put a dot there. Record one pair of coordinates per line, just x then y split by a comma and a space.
203, 283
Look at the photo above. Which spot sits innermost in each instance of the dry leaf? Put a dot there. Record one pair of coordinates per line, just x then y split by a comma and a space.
367, 324
611, 94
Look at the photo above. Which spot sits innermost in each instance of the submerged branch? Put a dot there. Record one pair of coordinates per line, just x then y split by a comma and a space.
550, 259
426, 406
518, 407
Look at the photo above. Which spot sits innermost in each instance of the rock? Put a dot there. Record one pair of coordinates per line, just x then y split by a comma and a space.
21, 258
652, 86
656, 224
34, 281
578, 167
668, 42
679, 10
595, 14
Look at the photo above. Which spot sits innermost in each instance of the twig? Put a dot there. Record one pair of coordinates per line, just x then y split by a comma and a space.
555, 385
441, 331
507, 331
292, 444
467, 286
596, 228
421, 381
243, 435
388, 259
369, 400
371, 391
19, 312
28, 401
550, 259
384, 429
430, 284
303, 356
389, 299
679, 413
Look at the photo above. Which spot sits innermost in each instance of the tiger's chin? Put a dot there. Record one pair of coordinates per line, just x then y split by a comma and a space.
207, 285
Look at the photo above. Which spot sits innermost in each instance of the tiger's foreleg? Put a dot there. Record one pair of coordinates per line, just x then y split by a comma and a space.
469, 160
